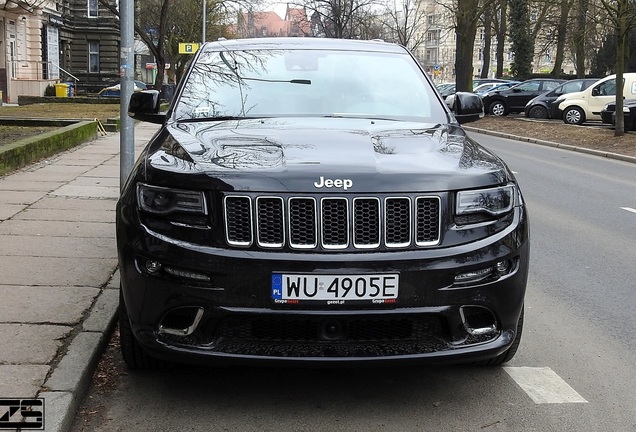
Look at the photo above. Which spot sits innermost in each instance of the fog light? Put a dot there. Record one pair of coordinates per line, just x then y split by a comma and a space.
153, 266
503, 267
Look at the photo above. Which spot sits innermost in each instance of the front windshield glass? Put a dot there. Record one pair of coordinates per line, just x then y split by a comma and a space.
276, 83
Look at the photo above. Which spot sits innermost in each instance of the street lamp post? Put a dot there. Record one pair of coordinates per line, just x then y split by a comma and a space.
203, 19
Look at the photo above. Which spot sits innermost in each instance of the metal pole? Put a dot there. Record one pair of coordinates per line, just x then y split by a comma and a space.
203, 30
126, 73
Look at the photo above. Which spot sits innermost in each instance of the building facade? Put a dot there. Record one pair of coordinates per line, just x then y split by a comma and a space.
51, 41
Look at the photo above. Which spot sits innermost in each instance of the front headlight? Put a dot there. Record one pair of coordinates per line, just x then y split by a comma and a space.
164, 201
530, 102
607, 106
494, 201
559, 100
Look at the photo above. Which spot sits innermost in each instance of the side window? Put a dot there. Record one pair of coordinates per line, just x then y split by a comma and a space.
570, 87
93, 57
550, 85
607, 88
93, 9
529, 86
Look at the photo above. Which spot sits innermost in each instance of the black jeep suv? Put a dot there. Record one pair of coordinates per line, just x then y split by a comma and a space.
315, 201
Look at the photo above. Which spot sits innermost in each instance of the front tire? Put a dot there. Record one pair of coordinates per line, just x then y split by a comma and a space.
507, 355
498, 108
574, 115
133, 353
538, 112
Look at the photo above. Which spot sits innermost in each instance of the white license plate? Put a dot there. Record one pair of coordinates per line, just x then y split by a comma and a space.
334, 289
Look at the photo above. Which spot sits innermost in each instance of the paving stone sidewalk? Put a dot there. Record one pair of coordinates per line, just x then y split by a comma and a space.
58, 278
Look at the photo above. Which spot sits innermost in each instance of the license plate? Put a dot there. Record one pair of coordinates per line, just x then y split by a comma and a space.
334, 289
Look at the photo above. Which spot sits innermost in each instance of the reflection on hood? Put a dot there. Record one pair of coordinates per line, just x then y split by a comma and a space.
328, 145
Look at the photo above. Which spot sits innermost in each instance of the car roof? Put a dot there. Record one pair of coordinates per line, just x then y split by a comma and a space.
302, 43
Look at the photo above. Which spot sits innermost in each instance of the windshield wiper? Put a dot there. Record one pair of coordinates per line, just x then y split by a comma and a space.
293, 81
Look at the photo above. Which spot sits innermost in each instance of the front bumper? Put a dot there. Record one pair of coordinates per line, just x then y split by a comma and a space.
232, 317
555, 112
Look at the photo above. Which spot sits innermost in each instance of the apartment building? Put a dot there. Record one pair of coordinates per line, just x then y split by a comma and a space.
44, 42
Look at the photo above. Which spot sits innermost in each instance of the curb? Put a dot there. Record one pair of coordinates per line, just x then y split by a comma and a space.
608, 155
66, 387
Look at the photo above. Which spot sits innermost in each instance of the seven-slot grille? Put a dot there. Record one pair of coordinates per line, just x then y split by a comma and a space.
332, 223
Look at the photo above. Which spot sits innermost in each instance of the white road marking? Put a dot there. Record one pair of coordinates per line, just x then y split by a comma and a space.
543, 385
629, 209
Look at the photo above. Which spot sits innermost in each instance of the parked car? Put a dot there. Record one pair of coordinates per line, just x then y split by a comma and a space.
514, 99
482, 88
314, 201
447, 90
452, 88
608, 114
498, 86
479, 81
586, 105
114, 90
539, 107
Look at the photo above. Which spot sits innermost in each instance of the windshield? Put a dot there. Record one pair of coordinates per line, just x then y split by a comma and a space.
276, 83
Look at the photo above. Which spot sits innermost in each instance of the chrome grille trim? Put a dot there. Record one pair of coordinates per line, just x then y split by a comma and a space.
423, 234
298, 227
358, 232
396, 219
270, 234
235, 216
334, 228
333, 223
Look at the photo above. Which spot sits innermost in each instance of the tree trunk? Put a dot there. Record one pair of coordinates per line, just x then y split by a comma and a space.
501, 37
579, 37
485, 53
466, 28
621, 47
561, 34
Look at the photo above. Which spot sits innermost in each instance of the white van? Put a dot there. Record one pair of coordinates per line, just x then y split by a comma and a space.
579, 107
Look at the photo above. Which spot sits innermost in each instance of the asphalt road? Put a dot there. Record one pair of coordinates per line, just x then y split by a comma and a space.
575, 370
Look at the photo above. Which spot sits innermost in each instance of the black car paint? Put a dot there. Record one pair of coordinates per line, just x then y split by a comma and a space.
515, 99
546, 99
287, 157
608, 114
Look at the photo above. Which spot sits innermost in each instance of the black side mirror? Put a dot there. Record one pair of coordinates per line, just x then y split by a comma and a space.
595, 92
466, 106
144, 106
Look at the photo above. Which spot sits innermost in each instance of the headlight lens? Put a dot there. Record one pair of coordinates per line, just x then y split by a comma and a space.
530, 102
161, 200
494, 201
559, 100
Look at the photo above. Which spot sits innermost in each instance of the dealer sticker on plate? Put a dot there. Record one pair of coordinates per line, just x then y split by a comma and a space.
334, 289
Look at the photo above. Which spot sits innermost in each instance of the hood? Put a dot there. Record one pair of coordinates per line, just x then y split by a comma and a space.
312, 155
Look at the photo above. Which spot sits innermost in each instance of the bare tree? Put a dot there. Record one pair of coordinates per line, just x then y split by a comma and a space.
485, 52
467, 15
406, 22
622, 14
501, 28
338, 18
162, 24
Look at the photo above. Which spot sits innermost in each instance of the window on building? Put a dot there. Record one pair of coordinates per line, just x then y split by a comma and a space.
93, 8
93, 57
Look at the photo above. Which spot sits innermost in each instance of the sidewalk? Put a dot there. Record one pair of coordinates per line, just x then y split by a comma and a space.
58, 279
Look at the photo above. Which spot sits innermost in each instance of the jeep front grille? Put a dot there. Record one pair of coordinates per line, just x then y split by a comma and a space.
332, 223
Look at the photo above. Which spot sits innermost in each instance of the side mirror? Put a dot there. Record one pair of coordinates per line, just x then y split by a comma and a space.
595, 92
144, 106
467, 107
